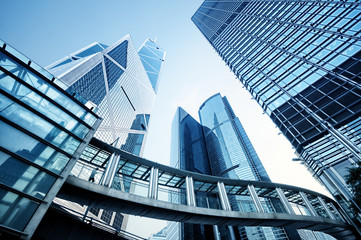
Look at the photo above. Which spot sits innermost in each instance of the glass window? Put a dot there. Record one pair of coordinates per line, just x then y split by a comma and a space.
42, 105
40, 127
31, 149
15, 211
40, 84
25, 178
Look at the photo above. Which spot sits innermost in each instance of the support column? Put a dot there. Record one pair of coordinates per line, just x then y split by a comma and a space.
223, 196
153, 183
255, 198
191, 198
284, 201
110, 171
308, 204
328, 211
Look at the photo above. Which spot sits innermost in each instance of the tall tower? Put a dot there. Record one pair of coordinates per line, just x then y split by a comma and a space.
188, 152
231, 155
230, 151
121, 82
300, 60
218, 146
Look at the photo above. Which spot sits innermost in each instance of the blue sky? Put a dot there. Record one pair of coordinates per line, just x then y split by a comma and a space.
47, 30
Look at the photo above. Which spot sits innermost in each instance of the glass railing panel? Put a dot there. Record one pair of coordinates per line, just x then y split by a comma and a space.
172, 195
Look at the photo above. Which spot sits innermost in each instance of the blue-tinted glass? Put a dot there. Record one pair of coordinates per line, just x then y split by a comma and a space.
23, 177
15, 211
133, 143
40, 104
43, 86
31, 149
31, 122
87, 52
94, 78
155, 63
113, 72
120, 54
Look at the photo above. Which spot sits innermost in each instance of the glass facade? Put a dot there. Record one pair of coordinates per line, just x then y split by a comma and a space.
152, 57
188, 152
230, 152
300, 60
117, 80
43, 131
231, 155
217, 146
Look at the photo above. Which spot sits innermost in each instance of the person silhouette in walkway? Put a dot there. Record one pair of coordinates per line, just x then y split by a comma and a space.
92, 175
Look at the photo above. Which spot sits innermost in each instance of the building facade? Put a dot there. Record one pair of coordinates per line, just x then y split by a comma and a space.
300, 60
188, 152
231, 155
217, 146
121, 82
44, 130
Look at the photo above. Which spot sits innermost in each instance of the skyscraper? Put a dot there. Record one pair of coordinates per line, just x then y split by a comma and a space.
218, 146
232, 155
300, 60
188, 152
121, 82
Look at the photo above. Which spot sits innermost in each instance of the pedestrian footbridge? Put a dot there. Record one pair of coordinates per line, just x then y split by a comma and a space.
133, 185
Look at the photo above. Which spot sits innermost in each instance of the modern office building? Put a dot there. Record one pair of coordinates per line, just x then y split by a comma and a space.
218, 146
231, 155
49, 118
188, 152
161, 235
44, 130
300, 60
121, 82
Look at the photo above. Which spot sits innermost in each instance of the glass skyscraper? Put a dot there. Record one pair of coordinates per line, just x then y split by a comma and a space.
218, 146
300, 60
121, 82
188, 152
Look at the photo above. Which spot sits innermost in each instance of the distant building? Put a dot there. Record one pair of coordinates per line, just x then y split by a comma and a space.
300, 60
161, 235
218, 146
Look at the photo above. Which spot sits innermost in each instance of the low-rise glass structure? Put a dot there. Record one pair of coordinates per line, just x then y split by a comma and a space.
44, 130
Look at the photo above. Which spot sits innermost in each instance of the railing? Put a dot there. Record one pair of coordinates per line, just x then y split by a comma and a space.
138, 176
152, 180
98, 224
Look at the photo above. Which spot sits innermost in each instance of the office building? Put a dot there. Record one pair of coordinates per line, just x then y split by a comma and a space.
161, 235
218, 146
44, 130
231, 155
121, 82
188, 152
300, 60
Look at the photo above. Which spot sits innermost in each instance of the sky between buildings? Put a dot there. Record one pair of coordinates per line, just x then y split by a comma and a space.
47, 30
